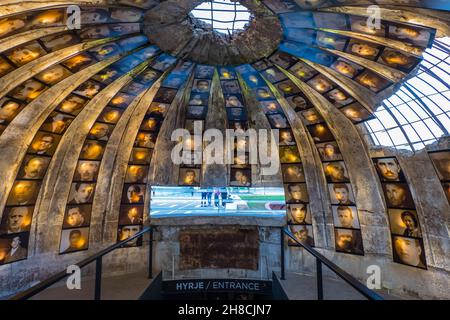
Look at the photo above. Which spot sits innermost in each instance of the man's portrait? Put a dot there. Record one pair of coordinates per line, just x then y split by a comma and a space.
145, 140
163, 62
298, 102
339, 98
348, 241
363, 49
398, 195
125, 232
59, 41
388, 169
196, 112
287, 88
226, 73
329, 151
81, 192
72, 104
409, 251
303, 71
78, 62
94, 16
133, 193
289, 154
23, 192
131, 214
8, 110
296, 193
86, 170
92, 150
165, 95
136, 174
96, 32
273, 74
345, 217
286, 137
150, 124
53, 75
346, 68
13, 248
303, 233
16, 220
271, 107
57, 123
237, 114
140, 156
310, 116
158, 109
278, 121
74, 240
320, 132
201, 85
413, 35
356, 113
241, 177
100, 131
398, 60
321, 84
189, 177
11, 25
263, 93
24, 54
283, 59
33, 167
231, 86
111, 115
404, 223
48, 18
372, 81
360, 25
234, 101
199, 99
88, 89
335, 171
299, 213
5, 67
148, 76
204, 72
44, 143
441, 161
293, 173
28, 91
77, 216
341, 193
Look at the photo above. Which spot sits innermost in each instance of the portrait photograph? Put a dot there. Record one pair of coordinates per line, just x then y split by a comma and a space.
78, 62
303, 71
75, 239
299, 102
237, 114
14, 24
60, 41
77, 216
341, 193
28, 91
134, 88
259, 65
227, 73
44, 143
140, 156
5, 67
57, 123
199, 99
287, 88
413, 35
358, 24
409, 251
278, 121
204, 71
373, 81
398, 60
253, 80
88, 89
240, 177
16, 220
320, 133
94, 15
346, 67
9, 109
92, 150
345, 216
196, 112
133, 193
283, 59
271, 107
398, 195
330, 40
86, 171
357, 113
329, 151
299, 213
303, 234
145, 140
136, 174
230, 86
263, 93
363, 49
52, 17
289, 154
348, 241
404, 223
234, 101
13, 247
296, 193
110, 115
158, 109
165, 95
100, 131
23, 54
321, 84
201, 85
286, 138
53, 75
389, 169
125, 232
189, 177
293, 173
238, 126
163, 62
105, 51
335, 171
339, 97
131, 214
441, 161
81, 192
33, 167
148, 76
151, 124
147, 53
273, 75
23, 193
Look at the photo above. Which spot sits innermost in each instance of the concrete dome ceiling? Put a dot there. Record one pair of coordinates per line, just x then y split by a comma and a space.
94, 108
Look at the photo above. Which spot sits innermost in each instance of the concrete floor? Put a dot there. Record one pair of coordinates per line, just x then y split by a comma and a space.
125, 287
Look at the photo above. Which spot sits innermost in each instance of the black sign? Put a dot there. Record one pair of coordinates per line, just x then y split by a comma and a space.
217, 285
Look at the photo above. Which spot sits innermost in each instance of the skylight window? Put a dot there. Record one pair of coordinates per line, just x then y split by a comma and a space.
222, 16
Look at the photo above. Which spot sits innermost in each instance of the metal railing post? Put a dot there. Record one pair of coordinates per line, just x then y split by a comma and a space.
283, 276
150, 256
319, 279
98, 278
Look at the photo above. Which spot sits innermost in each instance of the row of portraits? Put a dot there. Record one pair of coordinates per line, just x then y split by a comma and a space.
413, 35
404, 222
441, 162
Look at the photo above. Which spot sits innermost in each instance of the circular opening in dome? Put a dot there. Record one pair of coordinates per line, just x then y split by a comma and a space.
222, 16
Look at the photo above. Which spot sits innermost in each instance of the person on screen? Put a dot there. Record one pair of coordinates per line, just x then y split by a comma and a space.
411, 224
76, 241
43, 144
190, 177
82, 193
75, 217
296, 193
135, 194
389, 169
17, 252
34, 168
409, 251
303, 236
17, 219
342, 194
396, 195
345, 216
298, 214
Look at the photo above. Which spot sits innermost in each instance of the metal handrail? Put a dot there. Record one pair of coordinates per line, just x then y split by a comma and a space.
41, 286
352, 281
